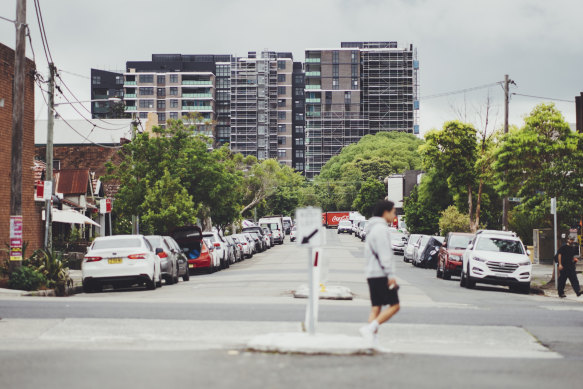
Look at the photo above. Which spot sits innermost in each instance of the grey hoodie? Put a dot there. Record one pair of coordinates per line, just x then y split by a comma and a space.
378, 240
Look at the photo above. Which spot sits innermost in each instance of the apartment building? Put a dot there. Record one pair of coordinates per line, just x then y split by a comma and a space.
299, 119
358, 89
107, 94
261, 105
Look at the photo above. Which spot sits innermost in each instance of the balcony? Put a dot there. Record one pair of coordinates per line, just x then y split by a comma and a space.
314, 100
198, 108
131, 108
313, 114
197, 82
130, 96
198, 95
129, 83
313, 86
313, 74
312, 60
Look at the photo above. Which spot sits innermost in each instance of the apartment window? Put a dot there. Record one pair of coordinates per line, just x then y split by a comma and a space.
354, 70
299, 166
335, 56
299, 153
173, 103
299, 103
300, 129
354, 83
354, 56
143, 115
161, 104
328, 97
56, 164
173, 91
174, 78
119, 80
223, 83
347, 97
281, 128
146, 91
299, 141
298, 79
335, 70
146, 104
299, 91
281, 65
174, 115
299, 117
161, 117
281, 78
281, 140
148, 78
335, 83
281, 90
161, 79
223, 71
161, 91
281, 154
281, 103
281, 115
223, 95
96, 80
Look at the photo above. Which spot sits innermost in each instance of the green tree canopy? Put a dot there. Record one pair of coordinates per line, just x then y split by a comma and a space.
369, 194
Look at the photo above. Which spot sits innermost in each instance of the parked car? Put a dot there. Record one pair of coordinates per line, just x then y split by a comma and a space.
168, 258
409, 248
240, 250
257, 240
498, 258
120, 260
267, 237
287, 224
267, 231
259, 231
182, 260
215, 254
220, 247
418, 249
197, 252
360, 229
345, 226
449, 261
231, 250
274, 222
428, 257
293, 233
398, 241
246, 244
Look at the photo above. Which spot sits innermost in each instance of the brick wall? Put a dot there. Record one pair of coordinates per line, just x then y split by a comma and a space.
90, 157
31, 212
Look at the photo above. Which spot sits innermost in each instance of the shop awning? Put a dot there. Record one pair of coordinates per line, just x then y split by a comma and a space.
70, 216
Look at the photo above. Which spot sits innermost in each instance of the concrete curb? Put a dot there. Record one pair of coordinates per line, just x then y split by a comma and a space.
51, 292
331, 293
303, 343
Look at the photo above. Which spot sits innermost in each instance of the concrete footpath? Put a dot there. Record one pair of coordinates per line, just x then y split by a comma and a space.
542, 279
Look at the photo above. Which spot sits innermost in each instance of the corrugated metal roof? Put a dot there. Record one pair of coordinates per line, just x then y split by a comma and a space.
73, 181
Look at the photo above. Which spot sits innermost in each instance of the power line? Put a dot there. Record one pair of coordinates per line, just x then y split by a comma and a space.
75, 74
39, 16
8, 20
542, 98
461, 91
42, 35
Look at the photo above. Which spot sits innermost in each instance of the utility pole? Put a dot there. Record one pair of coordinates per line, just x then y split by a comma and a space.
17, 135
49, 159
505, 203
135, 218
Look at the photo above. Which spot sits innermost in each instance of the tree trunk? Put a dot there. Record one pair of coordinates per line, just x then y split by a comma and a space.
470, 207
478, 206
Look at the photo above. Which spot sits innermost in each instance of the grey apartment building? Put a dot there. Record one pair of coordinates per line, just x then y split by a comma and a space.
358, 89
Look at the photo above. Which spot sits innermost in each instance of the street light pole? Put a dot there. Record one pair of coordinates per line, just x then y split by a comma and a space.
505, 202
49, 158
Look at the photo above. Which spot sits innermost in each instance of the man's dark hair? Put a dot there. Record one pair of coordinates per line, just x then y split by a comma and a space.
382, 206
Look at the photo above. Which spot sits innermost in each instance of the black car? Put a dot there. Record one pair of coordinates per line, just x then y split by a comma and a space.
429, 256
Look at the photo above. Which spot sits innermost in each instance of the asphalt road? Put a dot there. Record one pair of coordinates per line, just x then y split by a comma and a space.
192, 334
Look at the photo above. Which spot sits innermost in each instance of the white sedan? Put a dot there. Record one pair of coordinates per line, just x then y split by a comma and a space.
121, 260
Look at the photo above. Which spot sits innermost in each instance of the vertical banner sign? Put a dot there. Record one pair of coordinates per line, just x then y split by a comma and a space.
48, 190
16, 238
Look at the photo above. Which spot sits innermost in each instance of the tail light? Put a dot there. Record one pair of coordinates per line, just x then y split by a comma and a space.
244, 244
138, 256
239, 246
160, 254
217, 245
93, 259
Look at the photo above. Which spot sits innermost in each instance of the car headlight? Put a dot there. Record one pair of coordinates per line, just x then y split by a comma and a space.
455, 257
479, 259
524, 263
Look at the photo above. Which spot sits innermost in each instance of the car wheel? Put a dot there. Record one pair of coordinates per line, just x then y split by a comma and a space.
175, 279
151, 284
186, 276
445, 274
462, 279
159, 283
88, 287
470, 284
438, 272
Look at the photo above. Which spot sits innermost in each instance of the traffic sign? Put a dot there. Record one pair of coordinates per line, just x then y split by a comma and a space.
309, 227
48, 190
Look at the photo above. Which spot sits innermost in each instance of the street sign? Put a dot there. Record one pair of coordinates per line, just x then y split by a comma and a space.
309, 227
47, 190
553, 206
16, 238
104, 206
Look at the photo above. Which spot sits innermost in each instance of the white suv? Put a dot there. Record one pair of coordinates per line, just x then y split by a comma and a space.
496, 258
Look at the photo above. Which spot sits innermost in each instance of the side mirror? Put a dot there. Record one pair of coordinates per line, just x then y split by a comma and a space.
470, 246
528, 252
159, 250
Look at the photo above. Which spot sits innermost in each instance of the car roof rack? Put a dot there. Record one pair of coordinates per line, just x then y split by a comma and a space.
496, 232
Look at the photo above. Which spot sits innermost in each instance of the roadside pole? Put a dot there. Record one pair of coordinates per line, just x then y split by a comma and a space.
554, 212
505, 202
48, 195
135, 218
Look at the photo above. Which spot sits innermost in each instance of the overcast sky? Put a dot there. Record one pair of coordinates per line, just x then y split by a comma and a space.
461, 43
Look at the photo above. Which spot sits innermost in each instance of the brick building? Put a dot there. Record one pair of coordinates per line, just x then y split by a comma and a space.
31, 212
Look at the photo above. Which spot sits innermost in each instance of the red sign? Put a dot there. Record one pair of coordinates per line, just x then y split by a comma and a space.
334, 218
108, 205
16, 238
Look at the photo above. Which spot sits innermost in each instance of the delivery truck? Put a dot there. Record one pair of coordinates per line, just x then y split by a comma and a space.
331, 219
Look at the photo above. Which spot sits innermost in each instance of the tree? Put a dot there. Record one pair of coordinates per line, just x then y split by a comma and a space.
452, 220
370, 193
541, 160
166, 205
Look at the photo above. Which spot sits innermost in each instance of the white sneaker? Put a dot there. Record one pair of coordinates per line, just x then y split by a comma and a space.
375, 340
367, 333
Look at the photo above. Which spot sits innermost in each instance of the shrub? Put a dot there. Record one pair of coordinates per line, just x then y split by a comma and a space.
27, 278
453, 220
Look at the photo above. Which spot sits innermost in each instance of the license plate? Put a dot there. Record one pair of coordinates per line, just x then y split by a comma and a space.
502, 275
114, 261
191, 265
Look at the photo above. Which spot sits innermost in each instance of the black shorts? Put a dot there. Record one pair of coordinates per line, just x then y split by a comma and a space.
380, 294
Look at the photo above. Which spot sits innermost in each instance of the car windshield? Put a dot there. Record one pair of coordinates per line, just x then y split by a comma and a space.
500, 245
117, 243
459, 241
344, 223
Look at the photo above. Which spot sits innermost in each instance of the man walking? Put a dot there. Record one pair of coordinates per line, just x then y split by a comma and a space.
567, 261
380, 271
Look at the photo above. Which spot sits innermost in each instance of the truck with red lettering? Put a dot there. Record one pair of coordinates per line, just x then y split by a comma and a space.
331, 219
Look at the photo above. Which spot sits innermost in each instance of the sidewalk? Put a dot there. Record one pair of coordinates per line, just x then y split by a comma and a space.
543, 280
75, 275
